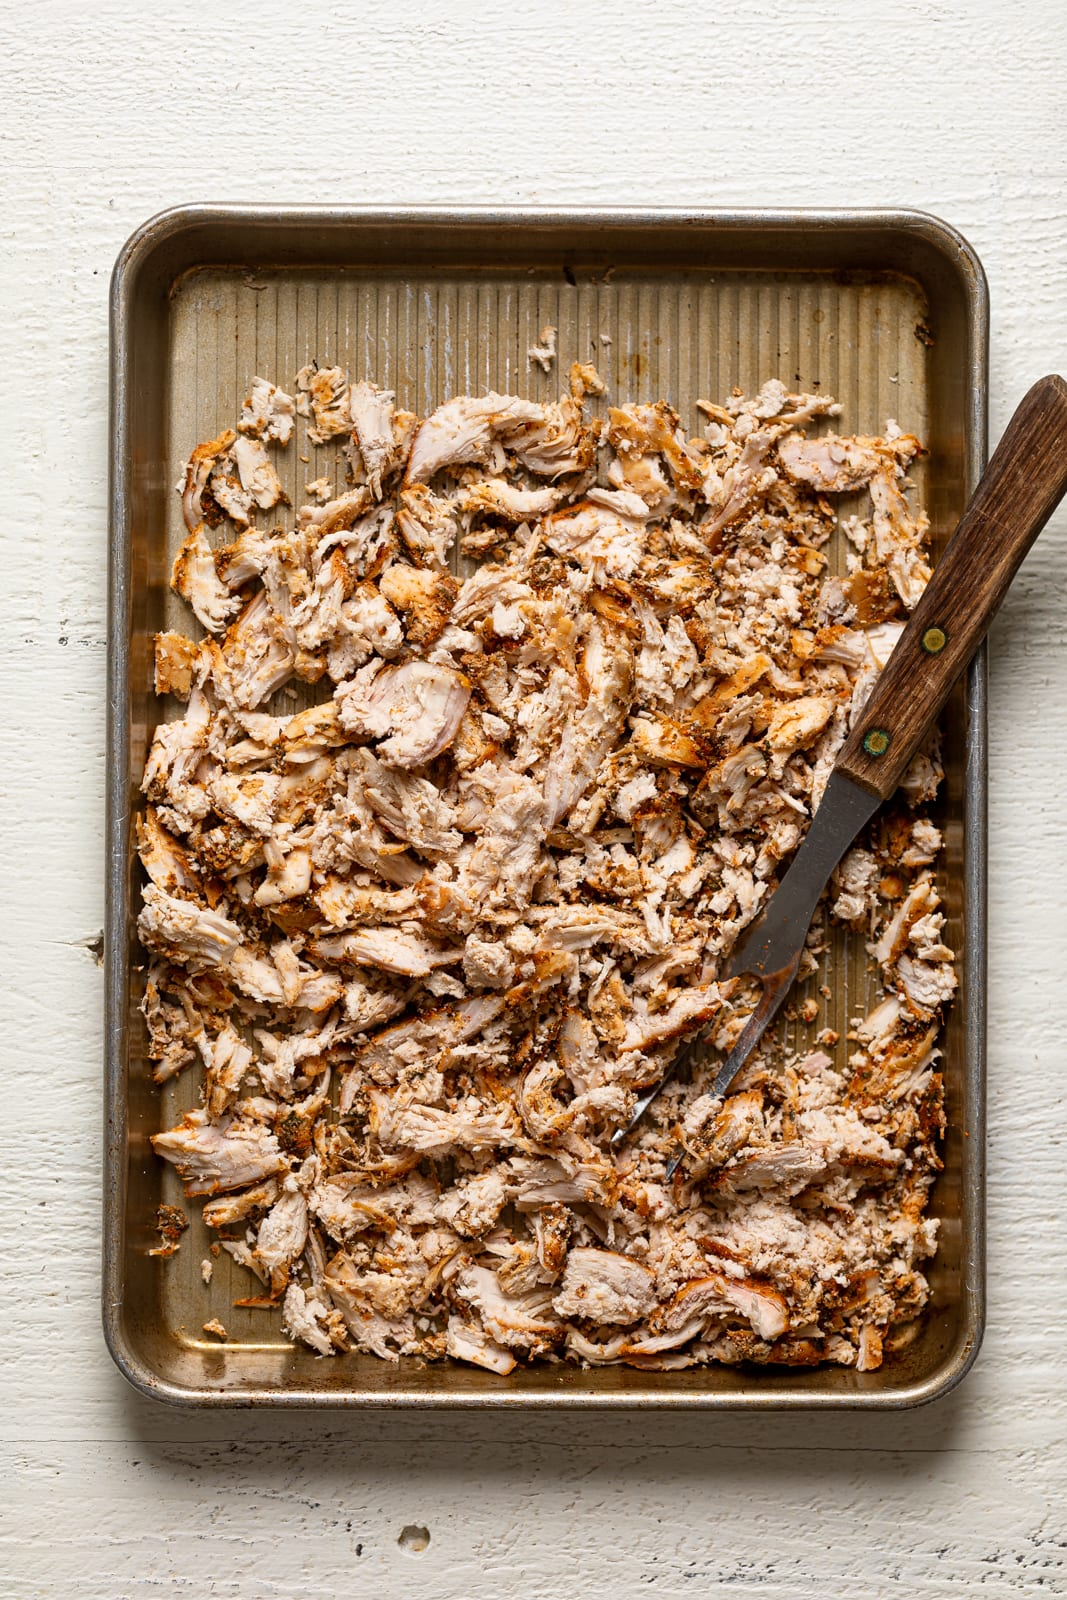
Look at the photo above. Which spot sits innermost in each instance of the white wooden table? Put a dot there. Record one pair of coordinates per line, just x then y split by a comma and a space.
110, 113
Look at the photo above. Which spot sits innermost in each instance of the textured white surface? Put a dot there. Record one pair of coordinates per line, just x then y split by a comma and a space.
110, 113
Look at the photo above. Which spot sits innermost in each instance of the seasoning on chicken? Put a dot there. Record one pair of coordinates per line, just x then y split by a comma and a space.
256, 471
268, 412
372, 412
419, 945
326, 388
465, 430
196, 473
195, 578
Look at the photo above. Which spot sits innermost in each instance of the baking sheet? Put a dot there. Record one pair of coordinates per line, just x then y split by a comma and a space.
886, 312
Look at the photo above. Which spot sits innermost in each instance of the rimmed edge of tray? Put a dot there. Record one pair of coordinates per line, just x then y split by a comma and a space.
769, 1389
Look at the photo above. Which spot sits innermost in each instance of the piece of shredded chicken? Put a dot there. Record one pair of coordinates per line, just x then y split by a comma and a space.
420, 945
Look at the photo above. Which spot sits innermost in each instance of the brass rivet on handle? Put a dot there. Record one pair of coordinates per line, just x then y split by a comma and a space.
876, 743
934, 641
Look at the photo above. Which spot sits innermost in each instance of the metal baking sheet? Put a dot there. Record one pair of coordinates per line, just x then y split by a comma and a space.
885, 310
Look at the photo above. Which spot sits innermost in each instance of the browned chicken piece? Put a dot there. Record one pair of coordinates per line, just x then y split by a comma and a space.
498, 498
485, 589
198, 470
654, 430
524, 1321
256, 657
268, 412
423, 599
368, 1329
418, 706
711, 1141
419, 1127
340, 515
175, 1031
507, 858
230, 1059
175, 658
897, 536
411, 808
436, 1035
213, 1156
371, 410
830, 464
464, 429
465, 1341
288, 874
927, 985
790, 1166
690, 1011
172, 1223
195, 578
869, 1350
387, 948
603, 1286
230, 1208
282, 1236
428, 525
557, 442
607, 670
326, 389
920, 901
855, 883
256, 471
308, 1320
718, 1294
167, 862
607, 543
226, 490
186, 932
538, 1183
741, 484
795, 725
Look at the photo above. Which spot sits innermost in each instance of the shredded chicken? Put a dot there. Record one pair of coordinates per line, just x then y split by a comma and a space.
545, 352
420, 944
268, 412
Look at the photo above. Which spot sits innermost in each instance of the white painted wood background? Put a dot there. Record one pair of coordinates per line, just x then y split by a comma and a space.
108, 113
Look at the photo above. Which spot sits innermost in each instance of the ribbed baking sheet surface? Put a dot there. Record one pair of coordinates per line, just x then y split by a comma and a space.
680, 338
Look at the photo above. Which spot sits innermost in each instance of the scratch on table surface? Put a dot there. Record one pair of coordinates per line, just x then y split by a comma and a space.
93, 945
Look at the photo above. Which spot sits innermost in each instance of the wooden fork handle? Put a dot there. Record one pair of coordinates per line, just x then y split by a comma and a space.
1020, 489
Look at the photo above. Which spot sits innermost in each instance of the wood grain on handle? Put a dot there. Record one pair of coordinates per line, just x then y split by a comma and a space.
1020, 489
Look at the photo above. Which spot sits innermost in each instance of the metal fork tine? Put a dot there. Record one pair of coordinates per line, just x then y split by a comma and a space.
776, 986
644, 1100
641, 1105
771, 946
